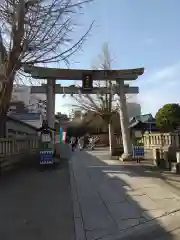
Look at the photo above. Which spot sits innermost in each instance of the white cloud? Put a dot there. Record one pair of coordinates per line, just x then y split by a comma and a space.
156, 89
166, 73
159, 88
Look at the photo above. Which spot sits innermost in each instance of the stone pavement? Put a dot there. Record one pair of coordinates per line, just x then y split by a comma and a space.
114, 201
36, 205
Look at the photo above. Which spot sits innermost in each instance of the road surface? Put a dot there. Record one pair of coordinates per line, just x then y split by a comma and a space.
106, 200
114, 201
36, 205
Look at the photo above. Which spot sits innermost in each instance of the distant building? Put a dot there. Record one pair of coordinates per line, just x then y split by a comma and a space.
61, 116
38, 104
19, 111
76, 116
143, 123
21, 93
33, 119
63, 120
134, 109
27, 107
17, 107
34, 102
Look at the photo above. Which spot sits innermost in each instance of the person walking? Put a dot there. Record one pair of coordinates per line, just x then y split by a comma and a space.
73, 143
81, 143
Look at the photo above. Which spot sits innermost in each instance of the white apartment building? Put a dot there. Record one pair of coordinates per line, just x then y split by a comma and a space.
35, 103
21, 93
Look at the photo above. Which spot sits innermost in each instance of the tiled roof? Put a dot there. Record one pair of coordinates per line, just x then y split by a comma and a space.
20, 122
145, 118
26, 116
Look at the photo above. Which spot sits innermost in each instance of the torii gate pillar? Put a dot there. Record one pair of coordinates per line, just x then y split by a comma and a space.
124, 121
50, 111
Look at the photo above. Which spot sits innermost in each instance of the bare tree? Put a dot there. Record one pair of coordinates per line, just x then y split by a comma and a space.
34, 32
101, 104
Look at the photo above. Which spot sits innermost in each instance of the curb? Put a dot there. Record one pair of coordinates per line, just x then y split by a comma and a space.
78, 220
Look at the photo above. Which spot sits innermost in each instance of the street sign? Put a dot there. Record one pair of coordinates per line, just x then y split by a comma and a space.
46, 157
87, 82
46, 138
138, 151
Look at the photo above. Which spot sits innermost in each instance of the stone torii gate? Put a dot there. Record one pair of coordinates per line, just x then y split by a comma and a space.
53, 74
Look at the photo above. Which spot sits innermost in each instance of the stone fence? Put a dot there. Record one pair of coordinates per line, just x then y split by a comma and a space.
161, 145
17, 151
13, 151
156, 145
161, 140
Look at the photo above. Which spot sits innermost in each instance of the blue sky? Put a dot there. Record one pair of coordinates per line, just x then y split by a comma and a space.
140, 33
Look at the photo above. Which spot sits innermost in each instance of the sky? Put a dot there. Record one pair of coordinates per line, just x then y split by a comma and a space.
140, 33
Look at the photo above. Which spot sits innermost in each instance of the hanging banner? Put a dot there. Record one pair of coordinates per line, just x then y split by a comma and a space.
57, 129
61, 135
64, 137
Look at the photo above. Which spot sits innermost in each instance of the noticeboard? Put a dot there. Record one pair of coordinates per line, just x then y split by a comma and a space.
45, 138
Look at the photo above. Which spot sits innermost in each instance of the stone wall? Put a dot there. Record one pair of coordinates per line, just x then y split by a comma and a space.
162, 142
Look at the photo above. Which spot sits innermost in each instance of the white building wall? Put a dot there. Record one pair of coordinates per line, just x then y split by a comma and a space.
23, 93
35, 105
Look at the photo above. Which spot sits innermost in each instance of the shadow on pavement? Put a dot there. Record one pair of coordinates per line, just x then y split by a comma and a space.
29, 164
110, 208
36, 205
171, 179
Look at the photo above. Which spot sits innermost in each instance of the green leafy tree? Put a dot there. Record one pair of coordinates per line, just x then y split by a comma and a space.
168, 117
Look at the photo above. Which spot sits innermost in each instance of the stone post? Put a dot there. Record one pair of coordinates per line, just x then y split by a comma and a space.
112, 143
124, 120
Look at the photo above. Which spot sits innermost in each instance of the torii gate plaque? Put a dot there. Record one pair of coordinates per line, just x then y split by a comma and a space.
52, 74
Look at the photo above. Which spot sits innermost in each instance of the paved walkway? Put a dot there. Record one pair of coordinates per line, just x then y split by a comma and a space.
36, 205
114, 201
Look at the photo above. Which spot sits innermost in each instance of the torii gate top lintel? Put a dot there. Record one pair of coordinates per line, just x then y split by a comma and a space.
76, 74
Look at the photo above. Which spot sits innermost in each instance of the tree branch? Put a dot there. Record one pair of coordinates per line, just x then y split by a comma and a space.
36, 32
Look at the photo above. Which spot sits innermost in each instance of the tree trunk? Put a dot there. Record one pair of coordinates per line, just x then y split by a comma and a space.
5, 98
3, 120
